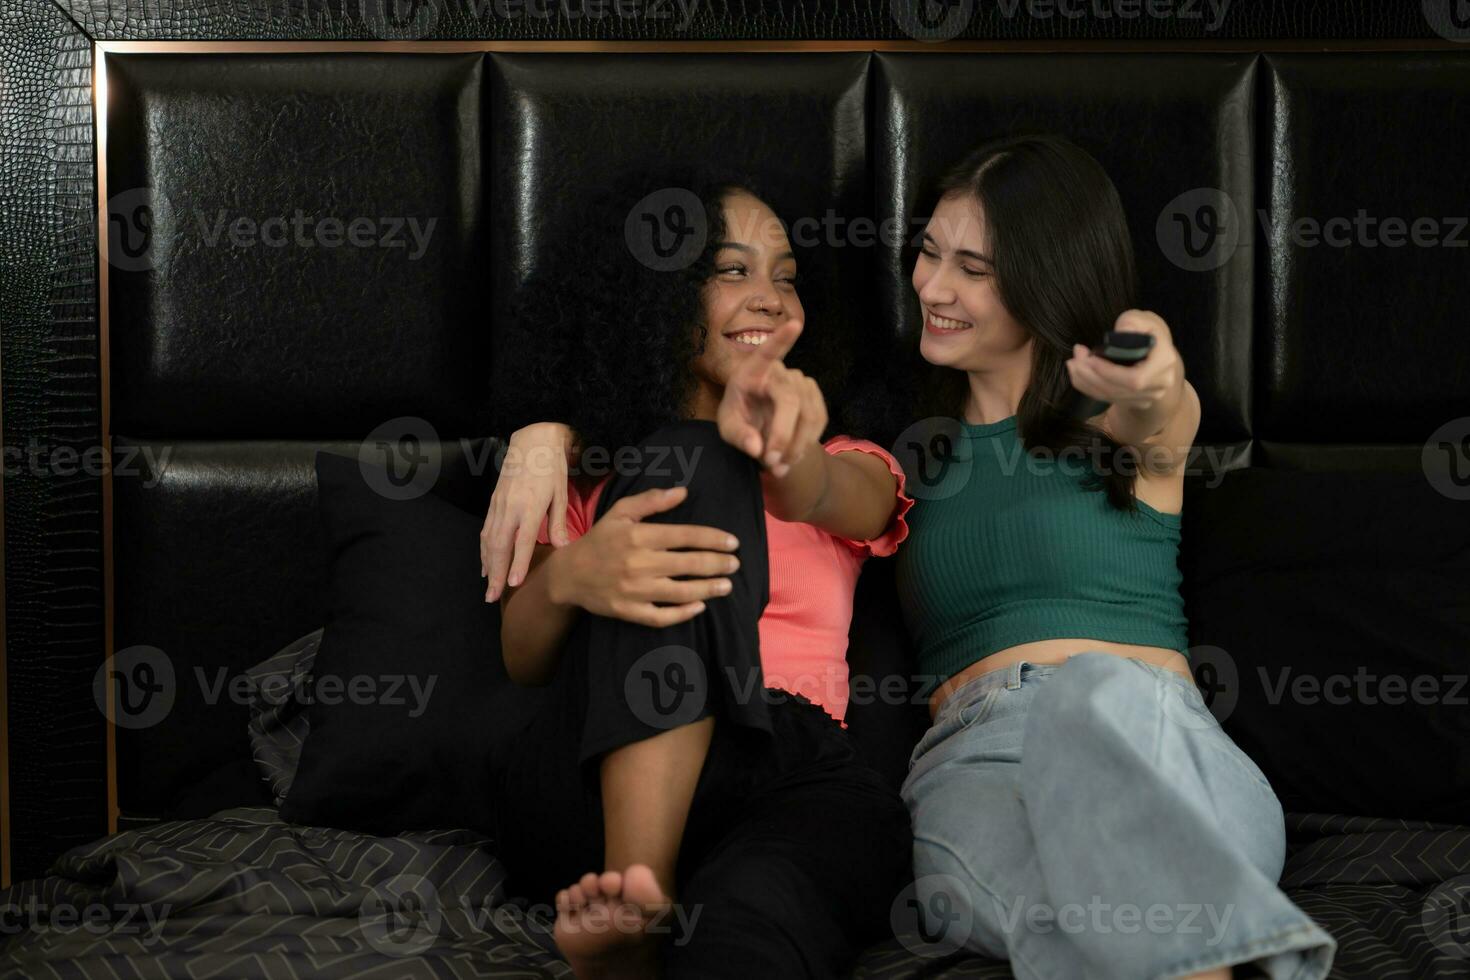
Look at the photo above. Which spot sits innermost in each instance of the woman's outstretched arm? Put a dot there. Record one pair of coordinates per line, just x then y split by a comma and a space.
777, 415
849, 494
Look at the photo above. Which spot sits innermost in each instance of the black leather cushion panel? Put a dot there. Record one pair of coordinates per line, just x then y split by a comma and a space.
1364, 343
256, 339
1326, 457
1337, 607
219, 561
1183, 123
564, 125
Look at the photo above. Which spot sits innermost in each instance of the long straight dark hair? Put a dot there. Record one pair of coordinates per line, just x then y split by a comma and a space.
1064, 269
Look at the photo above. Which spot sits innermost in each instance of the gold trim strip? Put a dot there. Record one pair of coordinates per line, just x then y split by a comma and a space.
707, 47
99, 115
5, 713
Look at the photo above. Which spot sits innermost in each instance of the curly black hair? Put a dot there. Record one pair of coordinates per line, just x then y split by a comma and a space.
603, 339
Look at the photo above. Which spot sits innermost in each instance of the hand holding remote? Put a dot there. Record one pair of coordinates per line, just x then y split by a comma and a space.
1123, 347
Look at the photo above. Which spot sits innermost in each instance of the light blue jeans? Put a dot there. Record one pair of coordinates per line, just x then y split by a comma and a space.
1092, 819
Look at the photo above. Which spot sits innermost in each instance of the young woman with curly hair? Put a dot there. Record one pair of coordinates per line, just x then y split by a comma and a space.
691, 772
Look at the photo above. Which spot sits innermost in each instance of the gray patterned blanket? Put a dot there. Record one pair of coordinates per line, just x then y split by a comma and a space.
242, 894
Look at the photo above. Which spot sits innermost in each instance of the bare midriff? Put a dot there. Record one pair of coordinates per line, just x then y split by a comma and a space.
1054, 652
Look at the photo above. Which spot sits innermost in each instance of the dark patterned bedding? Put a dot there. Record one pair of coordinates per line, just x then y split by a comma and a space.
242, 894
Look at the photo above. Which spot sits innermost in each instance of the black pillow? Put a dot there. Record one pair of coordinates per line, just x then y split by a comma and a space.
1340, 607
410, 703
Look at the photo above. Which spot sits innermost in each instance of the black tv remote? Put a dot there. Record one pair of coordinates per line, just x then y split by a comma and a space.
1120, 347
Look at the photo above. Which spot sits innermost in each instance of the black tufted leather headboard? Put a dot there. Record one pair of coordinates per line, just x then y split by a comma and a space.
240, 360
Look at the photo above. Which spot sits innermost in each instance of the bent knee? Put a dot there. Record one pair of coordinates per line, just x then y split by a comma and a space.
692, 453
724, 483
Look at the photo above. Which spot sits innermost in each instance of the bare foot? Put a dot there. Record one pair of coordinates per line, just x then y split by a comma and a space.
602, 924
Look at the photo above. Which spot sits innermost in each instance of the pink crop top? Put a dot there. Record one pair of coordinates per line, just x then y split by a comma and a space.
813, 574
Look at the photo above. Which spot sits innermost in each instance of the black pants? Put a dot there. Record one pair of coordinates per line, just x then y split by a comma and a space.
794, 849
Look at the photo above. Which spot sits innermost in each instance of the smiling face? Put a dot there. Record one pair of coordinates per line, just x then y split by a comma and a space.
966, 326
752, 291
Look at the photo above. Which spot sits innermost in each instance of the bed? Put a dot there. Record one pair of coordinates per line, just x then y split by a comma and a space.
229, 365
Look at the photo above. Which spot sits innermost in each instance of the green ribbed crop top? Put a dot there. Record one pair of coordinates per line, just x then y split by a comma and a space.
1006, 548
